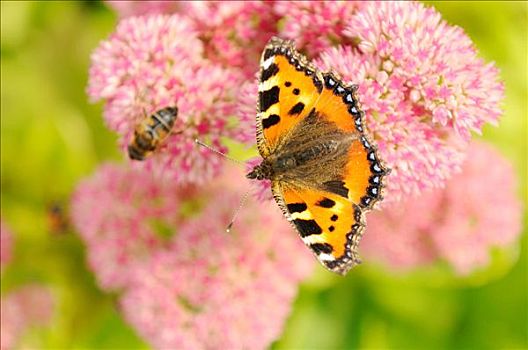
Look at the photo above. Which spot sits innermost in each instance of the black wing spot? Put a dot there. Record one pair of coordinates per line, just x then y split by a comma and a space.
376, 168
296, 91
307, 227
373, 191
355, 228
334, 217
319, 248
330, 82
339, 90
270, 121
365, 142
268, 53
268, 98
354, 111
375, 179
318, 84
326, 203
297, 109
287, 84
366, 200
337, 187
332, 264
297, 207
349, 98
331, 228
269, 72
357, 213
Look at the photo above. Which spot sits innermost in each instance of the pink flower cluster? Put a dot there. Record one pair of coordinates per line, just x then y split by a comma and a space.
317, 25
24, 308
422, 85
6, 244
123, 215
198, 287
233, 33
155, 230
129, 8
152, 62
477, 210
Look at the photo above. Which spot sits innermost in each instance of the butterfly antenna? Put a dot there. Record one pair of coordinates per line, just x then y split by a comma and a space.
242, 202
244, 197
218, 152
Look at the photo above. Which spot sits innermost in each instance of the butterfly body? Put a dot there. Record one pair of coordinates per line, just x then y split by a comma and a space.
305, 159
324, 169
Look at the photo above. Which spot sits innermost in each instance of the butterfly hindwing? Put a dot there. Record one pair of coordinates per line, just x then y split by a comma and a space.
329, 224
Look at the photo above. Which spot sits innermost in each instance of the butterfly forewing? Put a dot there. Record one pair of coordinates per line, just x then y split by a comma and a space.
286, 94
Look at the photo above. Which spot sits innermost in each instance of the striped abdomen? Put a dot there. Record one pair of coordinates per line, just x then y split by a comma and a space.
151, 132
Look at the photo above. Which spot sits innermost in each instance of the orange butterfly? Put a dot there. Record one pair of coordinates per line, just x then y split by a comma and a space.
324, 169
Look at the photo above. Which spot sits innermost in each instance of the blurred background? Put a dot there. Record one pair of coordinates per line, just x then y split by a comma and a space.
51, 137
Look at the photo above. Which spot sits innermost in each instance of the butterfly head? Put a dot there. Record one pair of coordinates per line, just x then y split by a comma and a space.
261, 171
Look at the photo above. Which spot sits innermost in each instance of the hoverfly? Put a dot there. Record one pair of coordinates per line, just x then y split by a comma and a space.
57, 217
151, 132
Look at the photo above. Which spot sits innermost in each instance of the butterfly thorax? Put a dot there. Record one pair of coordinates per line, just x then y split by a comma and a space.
314, 152
311, 152
307, 160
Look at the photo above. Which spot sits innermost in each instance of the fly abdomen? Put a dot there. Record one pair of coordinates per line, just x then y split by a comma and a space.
153, 130
146, 140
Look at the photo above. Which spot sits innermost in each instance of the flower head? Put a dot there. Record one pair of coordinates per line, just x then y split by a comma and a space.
180, 290
127, 8
157, 61
6, 245
483, 211
22, 308
122, 216
477, 210
234, 33
316, 25
212, 289
422, 87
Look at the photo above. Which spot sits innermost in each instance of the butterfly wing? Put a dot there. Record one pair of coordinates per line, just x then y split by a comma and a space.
329, 224
329, 216
328, 209
363, 175
288, 90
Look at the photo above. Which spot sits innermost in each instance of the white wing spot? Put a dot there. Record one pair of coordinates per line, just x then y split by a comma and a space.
267, 63
305, 215
326, 257
311, 239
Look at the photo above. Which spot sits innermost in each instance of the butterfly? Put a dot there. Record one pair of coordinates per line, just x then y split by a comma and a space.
324, 169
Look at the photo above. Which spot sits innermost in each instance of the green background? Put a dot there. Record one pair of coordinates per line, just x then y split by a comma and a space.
51, 137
